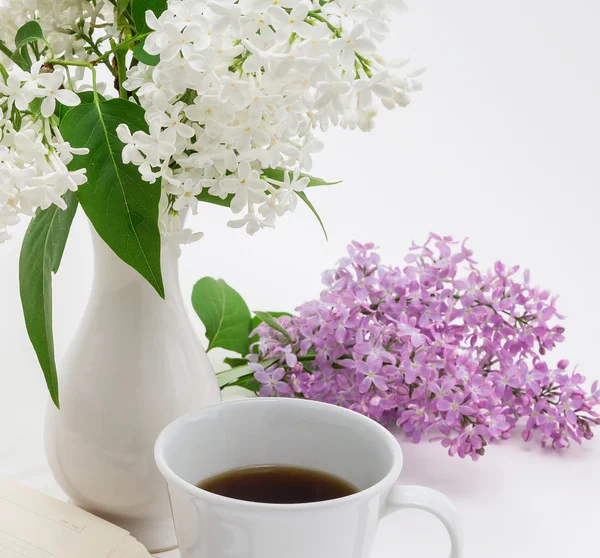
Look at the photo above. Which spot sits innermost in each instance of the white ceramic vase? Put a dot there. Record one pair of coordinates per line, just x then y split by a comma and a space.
134, 365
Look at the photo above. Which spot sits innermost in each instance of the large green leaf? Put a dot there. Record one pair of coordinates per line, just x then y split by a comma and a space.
224, 314
41, 253
85, 97
139, 9
121, 206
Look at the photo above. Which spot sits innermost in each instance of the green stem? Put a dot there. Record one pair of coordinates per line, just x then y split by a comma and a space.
97, 52
122, 45
67, 63
121, 63
365, 63
5, 49
319, 17
307, 358
69, 79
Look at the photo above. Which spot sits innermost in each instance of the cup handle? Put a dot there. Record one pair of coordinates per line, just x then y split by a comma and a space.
432, 501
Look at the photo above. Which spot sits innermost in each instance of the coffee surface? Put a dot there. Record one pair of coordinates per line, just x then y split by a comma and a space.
278, 484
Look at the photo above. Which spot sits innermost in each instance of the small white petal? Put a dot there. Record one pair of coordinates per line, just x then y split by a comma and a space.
48, 106
67, 97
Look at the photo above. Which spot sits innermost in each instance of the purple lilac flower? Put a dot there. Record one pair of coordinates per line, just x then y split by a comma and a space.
271, 382
454, 407
437, 347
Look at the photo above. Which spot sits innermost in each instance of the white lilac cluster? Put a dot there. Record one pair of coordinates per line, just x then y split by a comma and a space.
65, 23
33, 154
241, 86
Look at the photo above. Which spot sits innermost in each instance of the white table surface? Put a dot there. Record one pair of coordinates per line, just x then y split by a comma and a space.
519, 501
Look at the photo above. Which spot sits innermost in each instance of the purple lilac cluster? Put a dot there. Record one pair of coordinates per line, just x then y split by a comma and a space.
438, 348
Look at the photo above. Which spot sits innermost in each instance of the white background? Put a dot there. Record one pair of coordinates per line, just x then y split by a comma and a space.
501, 146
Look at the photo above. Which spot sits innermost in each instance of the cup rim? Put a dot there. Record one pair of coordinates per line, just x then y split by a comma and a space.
172, 429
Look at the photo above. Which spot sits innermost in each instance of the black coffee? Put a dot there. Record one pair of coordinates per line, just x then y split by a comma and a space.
278, 484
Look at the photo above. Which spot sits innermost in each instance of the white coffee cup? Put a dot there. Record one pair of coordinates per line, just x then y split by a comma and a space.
293, 432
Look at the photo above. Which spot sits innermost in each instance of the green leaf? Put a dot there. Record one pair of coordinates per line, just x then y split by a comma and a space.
224, 314
140, 54
256, 321
246, 382
305, 199
86, 97
275, 174
15, 116
280, 314
242, 376
228, 377
279, 175
269, 319
139, 9
121, 206
138, 12
204, 196
41, 253
122, 6
31, 32
235, 362
22, 59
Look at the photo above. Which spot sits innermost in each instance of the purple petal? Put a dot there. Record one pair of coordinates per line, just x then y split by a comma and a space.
363, 348
443, 405
364, 385
278, 374
262, 377
266, 390
380, 383
291, 360
283, 388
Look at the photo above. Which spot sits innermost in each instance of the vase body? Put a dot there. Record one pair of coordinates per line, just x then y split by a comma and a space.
134, 365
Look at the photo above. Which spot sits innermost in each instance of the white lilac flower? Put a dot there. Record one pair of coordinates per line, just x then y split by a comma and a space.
263, 75
61, 20
240, 87
18, 91
51, 92
34, 155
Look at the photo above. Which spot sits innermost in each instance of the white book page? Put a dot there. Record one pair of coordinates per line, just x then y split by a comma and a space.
33, 525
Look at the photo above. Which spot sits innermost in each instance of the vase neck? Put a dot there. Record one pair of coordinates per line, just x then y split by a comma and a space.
110, 270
